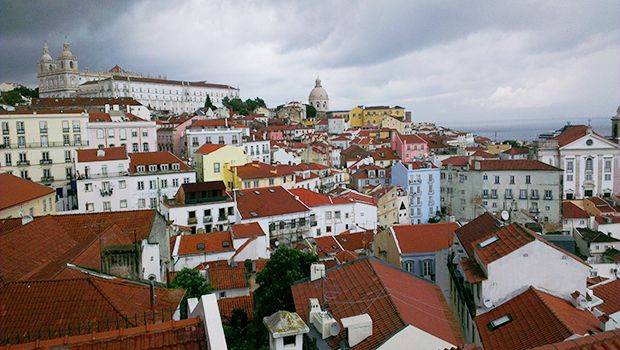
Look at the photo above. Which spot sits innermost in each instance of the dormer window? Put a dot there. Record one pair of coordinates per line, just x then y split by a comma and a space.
498, 322
164, 167
152, 167
141, 168
176, 166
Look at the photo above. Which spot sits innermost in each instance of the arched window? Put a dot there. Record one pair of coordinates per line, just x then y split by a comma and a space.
589, 164
50, 67
71, 64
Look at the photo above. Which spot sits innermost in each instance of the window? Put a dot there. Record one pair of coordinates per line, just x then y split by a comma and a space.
104, 170
152, 184
123, 134
589, 164
328, 215
152, 202
100, 134
21, 141
164, 183
528, 179
107, 206
216, 167
607, 165
497, 179
135, 147
337, 214
271, 181
43, 126
512, 179
77, 139
570, 166
122, 184
123, 203
88, 187
140, 185
145, 147
7, 159
408, 266
427, 267
134, 132
186, 180
141, 203
66, 139
90, 207
607, 177
175, 182
65, 126
145, 133
522, 194
220, 140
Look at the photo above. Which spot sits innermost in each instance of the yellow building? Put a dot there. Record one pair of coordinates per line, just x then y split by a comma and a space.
399, 125
497, 149
20, 197
374, 115
257, 174
212, 160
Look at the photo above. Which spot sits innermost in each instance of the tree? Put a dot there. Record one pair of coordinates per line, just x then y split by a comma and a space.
243, 107
12, 98
310, 112
285, 267
209, 104
192, 282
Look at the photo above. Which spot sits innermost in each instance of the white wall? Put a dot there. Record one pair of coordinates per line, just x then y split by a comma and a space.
151, 265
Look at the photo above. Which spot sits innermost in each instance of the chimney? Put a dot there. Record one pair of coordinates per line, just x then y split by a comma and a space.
317, 271
358, 328
100, 153
606, 323
152, 293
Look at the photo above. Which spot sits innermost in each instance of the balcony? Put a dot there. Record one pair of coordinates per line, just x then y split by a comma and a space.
507, 196
534, 210
45, 161
522, 196
39, 145
548, 198
21, 131
43, 131
485, 195
23, 163
65, 130
192, 221
106, 193
47, 179
494, 196
206, 219
5, 131
222, 218
534, 196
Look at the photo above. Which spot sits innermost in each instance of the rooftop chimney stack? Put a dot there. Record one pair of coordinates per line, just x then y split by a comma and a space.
317, 271
358, 328
100, 153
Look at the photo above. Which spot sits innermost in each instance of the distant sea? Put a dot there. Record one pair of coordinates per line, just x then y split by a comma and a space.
528, 129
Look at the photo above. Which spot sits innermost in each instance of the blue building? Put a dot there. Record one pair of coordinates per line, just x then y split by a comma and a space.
421, 179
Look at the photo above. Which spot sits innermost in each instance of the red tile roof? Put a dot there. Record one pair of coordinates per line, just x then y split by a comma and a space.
509, 239
267, 201
315, 199
517, 164
248, 230
413, 138
42, 248
101, 117
571, 211
571, 133
473, 272
392, 298
211, 243
456, 161
108, 154
15, 190
516, 151
610, 293
258, 170
475, 229
601, 341
60, 304
223, 276
356, 241
209, 148
327, 246
424, 238
188, 334
228, 305
538, 318
358, 197
155, 158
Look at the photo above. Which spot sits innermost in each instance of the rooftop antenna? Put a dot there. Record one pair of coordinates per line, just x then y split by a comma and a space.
589, 122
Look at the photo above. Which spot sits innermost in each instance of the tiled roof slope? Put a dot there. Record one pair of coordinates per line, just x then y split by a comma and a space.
610, 293
15, 190
42, 248
571, 211
229, 305
186, 334
473, 230
424, 238
267, 201
110, 153
537, 318
392, 297
155, 158
509, 239
211, 243
518, 164
601, 341
35, 306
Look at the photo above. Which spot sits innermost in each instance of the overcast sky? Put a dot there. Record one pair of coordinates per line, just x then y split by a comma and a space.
452, 62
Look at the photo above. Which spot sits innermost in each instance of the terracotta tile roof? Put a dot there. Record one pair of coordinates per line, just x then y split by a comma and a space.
7, 225
517, 164
456, 161
258, 170
392, 298
483, 154
413, 138
358, 197
571, 133
15, 190
601, 205
345, 256
101, 117
83, 102
473, 272
537, 318
571, 211
108, 154
185, 334
163, 81
205, 243
209, 148
42, 248
59, 304
508, 239
424, 238
356, 241
155, 158
327, 246
315, 199
601, 341
610, 293
222, 276
267, 201
248, 230
516, 151
475, 229
384, 153
228, 305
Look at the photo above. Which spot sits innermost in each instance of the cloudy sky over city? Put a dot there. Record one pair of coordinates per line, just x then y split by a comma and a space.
453, 62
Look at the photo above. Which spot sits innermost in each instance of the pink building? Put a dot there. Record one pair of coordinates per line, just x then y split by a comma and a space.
171, 133
409, 147
275, 132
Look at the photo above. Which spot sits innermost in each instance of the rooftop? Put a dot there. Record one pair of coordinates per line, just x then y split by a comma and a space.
15, 190
101, 155
205, 243
507, 164
267, 201
424, 238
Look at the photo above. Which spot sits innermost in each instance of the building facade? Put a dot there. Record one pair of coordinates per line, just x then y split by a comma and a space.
421, 181
117, 128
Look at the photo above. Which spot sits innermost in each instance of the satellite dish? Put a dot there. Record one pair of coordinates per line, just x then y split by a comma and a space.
334, 329
505, 215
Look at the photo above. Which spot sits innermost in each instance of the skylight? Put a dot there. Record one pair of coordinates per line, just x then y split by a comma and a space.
498, 322
254, 214
488, 241
200, 246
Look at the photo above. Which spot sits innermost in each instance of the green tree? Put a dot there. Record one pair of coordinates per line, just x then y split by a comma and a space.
12, 98
192, 282
26, 92
209, 104
310, 112
285, 267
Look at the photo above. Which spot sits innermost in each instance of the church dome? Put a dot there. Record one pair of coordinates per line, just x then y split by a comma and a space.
66, 53
318, 93
46, 54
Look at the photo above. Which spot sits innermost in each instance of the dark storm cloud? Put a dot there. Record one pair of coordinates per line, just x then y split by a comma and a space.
445, 60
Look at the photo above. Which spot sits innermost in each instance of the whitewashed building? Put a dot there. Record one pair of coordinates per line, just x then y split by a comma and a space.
109, 179
117, 128
219, 131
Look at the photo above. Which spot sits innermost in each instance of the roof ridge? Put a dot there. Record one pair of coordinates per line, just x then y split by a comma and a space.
555, 315
117, 309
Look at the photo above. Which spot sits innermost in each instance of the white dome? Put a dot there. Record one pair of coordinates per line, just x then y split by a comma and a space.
46, 54
318, 93
66, 53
